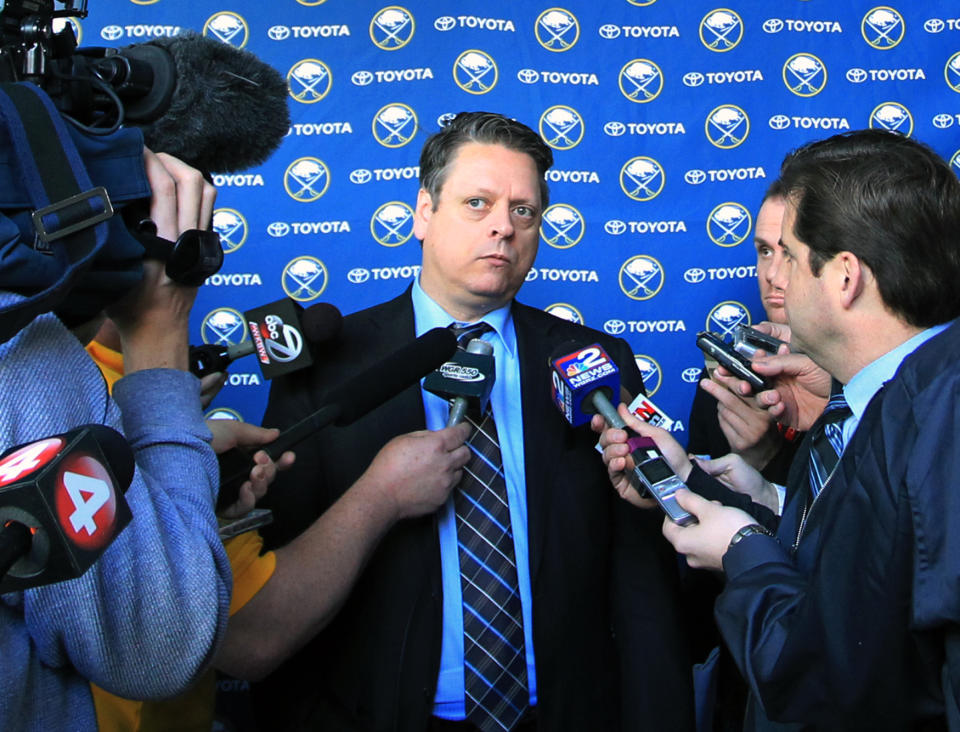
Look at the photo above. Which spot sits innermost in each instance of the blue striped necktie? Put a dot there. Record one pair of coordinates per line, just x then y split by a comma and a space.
494, 655
827, 441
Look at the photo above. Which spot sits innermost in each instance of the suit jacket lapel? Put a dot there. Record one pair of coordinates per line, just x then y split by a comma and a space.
544, 429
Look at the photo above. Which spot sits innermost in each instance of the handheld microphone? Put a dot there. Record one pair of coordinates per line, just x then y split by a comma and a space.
61, 504
465, 381
277, 334
346, 403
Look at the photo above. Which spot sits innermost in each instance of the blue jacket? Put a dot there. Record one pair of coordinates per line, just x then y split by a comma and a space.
848, 619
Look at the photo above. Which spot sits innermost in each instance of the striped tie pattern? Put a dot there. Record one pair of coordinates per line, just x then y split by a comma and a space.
494, 657
827, 441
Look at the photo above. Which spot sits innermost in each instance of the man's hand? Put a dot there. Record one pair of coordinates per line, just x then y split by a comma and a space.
704, 543
417, 471
734, 472
153, 318
801, 389
750, 430
616, 453
229, 433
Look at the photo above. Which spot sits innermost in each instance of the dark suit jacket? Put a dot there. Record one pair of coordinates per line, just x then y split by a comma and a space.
603, 578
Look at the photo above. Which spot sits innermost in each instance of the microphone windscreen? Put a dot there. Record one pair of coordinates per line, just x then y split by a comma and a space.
321, 322
395, 373
228, 111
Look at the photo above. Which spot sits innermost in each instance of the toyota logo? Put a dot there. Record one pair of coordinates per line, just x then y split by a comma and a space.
528, 76
445, 23
856, 75
362, 78
695, 177
278, 229
691, 375
360, 176
609, 31
694, 275
278, 33
942, 121
693, 78
772, 25
615, 327
614, 129
779, 122
111, 32
615, 227
358, 275
934, 25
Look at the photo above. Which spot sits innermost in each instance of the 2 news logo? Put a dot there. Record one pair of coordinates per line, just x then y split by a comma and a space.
85, 499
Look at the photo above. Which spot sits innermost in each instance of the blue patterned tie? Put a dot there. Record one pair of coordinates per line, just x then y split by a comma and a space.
827, 441
494, 655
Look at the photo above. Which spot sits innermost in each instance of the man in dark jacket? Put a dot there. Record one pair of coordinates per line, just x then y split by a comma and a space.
847, 618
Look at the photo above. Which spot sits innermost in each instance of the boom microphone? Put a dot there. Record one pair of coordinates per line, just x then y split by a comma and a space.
346, 403
61, 504
277, 334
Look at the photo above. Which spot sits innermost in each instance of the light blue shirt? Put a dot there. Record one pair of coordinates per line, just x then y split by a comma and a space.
507, 411
867, 381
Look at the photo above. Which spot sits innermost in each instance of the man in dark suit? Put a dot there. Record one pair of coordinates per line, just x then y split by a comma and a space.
591, 593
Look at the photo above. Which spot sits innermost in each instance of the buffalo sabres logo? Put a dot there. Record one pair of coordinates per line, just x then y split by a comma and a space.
650, 371
394, 125
562, 226
309, 80
561, 127
892, 116
641, 80
311, 3
882, 28
951, 72
446, 118
304, 278
223, 327
615, 227
641, 277
224, 413
565, 311
557, 30
227, 27
804, 74
306, 179
392, 224
641, 3
58, 24
955, 162
232, 228
727, 126
726, 316
729, 224
144, 2
721, 30
475, 72
392, 28
642, 178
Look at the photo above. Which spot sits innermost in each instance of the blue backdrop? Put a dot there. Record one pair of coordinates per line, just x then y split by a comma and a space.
668, 119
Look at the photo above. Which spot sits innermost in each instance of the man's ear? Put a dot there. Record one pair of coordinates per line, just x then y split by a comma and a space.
422, 214
855, 276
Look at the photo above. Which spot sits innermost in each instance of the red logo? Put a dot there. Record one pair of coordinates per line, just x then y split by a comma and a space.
86, 502
28, 459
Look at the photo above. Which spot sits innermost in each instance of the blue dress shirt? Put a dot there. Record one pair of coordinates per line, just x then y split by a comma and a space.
508, 413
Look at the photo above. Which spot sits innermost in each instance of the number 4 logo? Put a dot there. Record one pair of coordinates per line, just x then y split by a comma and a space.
27, 459
89, 495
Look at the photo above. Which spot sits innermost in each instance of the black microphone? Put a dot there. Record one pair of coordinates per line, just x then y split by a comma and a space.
465, 381
61, 504
346, 403
216, 107
278, 333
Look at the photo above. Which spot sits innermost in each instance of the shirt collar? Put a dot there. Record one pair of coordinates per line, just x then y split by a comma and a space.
867, 381
428, 314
